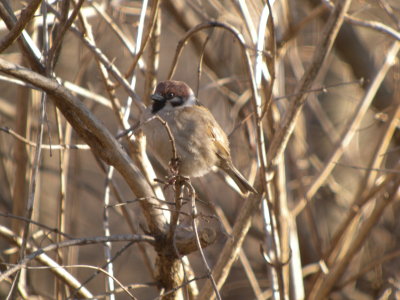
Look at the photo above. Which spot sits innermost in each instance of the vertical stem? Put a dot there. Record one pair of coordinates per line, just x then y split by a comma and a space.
106, 227
21, 162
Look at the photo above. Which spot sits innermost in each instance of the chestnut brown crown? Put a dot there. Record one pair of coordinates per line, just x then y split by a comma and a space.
171, 93
179, 88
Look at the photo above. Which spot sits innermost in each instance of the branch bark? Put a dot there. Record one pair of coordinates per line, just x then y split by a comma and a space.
97, 136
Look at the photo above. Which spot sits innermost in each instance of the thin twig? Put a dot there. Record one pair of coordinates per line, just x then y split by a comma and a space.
99, 270
128, 105
133, 286
324, 284
33, 181
55, 230
123, 287
43, 146
281, 138
110, 22
270, 219
25, 17
29, 48
76, 89
200, 65
251, 276
89, 43
107, 232
62, 31
46, 260
95, 134
380, 27
181, 286
77, 242
230, 250
192, 195
174, 163
139, 52
372, 265
353, 123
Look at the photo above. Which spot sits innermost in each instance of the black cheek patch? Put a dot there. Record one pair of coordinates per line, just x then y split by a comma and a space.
177, 101
157, 106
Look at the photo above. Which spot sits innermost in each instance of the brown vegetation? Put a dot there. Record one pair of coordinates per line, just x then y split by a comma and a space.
310, 98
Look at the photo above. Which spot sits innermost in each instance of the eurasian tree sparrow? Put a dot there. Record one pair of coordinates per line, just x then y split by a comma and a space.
200, 142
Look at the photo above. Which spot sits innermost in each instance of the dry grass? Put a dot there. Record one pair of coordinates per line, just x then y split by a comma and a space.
310, 98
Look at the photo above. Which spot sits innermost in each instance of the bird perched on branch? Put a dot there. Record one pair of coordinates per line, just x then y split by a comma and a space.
200, 143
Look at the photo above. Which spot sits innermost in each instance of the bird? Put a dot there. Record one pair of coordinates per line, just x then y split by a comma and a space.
200, 142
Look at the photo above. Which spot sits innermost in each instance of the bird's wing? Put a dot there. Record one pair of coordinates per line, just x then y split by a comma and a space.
218, 137
213, 130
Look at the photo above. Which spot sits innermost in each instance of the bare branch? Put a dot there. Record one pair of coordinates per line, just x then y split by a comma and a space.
24, 19
102, 143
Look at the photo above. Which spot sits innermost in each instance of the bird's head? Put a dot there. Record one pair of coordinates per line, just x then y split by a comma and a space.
170, 94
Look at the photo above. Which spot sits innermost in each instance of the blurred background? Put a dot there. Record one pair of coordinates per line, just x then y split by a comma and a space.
323, 213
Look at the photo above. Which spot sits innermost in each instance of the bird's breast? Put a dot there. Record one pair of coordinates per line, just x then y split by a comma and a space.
194, 147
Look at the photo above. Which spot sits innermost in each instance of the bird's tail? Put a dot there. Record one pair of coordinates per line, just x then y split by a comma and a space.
240, 181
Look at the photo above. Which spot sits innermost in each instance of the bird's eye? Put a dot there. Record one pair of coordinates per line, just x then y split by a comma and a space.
170, 95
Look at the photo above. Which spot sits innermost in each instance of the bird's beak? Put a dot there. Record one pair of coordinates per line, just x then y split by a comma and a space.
157, 98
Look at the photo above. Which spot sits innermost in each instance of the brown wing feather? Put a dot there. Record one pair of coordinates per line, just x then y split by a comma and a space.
215, 132
220, 140
221, 144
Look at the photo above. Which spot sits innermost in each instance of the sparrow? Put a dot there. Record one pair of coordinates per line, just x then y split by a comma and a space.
200, 142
